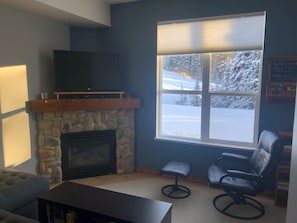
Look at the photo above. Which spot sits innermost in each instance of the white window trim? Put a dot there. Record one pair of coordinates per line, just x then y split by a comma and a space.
205, 140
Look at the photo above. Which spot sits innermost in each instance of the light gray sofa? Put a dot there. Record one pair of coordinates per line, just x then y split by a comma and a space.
18, 195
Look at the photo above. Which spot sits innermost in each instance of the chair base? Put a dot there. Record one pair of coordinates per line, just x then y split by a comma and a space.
240, 200
176, 191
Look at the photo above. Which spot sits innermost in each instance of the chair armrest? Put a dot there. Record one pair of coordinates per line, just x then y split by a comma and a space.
233, 157
244, 175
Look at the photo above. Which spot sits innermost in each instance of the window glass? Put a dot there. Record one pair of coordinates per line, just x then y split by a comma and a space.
181, 115
231, 115
232, 118
14, 121
16, 151
13, 87
182, 72
235, 71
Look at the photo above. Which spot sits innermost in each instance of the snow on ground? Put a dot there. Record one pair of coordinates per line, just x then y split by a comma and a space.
185, 120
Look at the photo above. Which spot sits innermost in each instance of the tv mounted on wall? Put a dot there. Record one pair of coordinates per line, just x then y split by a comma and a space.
87, 71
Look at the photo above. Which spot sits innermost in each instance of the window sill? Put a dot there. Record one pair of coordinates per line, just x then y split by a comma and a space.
206, 144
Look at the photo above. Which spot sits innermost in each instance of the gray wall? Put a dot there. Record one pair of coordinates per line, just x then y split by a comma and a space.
133, 35
28, 39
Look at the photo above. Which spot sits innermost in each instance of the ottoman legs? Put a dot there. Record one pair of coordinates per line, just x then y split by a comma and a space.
176, 190
176, 169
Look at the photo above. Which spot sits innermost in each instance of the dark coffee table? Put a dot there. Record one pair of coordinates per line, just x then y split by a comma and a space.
91, 204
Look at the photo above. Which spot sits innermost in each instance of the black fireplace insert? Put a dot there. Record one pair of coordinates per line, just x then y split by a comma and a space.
88, 154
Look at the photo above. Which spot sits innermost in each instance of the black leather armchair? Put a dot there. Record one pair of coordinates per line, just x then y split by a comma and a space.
240, 184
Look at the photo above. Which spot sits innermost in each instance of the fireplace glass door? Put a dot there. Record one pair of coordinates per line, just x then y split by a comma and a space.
88, 154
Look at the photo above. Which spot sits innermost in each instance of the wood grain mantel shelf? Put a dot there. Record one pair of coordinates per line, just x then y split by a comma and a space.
53, 105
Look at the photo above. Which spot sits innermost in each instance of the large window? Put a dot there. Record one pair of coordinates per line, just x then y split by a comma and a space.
209, 80
14, 121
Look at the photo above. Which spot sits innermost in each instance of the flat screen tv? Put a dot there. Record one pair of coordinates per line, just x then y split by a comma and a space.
87, 71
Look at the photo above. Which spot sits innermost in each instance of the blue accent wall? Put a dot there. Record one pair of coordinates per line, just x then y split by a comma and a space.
133, 35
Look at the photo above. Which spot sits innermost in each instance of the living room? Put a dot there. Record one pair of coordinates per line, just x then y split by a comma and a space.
30, 39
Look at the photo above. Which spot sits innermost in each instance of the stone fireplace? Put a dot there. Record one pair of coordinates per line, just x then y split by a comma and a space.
51, 124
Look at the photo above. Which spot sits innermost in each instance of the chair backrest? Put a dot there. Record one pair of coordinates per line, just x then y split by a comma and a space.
267, 155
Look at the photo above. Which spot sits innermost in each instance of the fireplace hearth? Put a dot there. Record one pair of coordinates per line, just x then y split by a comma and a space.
88, 154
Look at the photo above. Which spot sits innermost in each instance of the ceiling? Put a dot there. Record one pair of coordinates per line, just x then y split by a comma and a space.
37, 8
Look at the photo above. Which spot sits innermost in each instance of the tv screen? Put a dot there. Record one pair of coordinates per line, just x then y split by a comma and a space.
87, 71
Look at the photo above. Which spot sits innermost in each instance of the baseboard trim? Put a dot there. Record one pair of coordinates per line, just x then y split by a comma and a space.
146, 171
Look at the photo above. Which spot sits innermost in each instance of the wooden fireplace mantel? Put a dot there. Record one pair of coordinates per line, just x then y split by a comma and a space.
53, 105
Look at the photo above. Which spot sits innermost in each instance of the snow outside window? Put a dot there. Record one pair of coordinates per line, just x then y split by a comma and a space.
210, 95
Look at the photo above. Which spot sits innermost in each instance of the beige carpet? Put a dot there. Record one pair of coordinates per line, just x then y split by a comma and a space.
198, 207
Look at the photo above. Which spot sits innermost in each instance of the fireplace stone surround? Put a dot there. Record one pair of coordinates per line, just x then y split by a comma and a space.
51, 124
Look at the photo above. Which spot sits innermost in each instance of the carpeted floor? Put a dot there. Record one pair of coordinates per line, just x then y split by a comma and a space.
197, 208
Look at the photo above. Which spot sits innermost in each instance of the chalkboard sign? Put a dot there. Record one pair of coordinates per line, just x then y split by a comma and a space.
282, 69
282, 77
